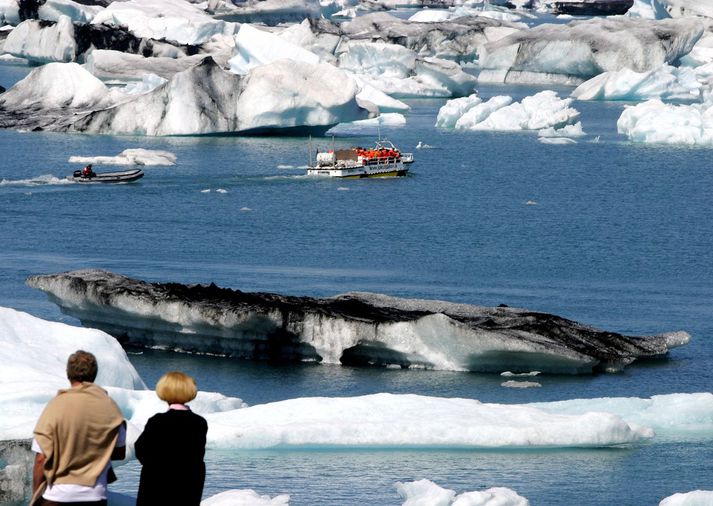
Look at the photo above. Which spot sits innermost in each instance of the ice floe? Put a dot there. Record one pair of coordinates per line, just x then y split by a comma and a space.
666, 83
544, 110
656, 122
426, 493
695, 498
245, 498
355, 328
133, 156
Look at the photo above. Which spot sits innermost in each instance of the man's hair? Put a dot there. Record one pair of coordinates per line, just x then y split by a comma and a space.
176, 387
81, 366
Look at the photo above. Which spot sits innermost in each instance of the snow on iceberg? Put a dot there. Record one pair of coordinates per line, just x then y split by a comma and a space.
353, 329
580, 50
427, 493
135, 156
666, 83
172, 20
655, 122
695, 498
544, 110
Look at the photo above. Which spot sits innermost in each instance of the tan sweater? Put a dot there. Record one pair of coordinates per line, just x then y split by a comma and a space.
77, 432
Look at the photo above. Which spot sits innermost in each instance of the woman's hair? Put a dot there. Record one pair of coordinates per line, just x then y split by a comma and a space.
81, 366
176, 387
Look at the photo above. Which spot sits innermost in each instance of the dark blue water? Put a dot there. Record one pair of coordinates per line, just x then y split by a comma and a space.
619, 236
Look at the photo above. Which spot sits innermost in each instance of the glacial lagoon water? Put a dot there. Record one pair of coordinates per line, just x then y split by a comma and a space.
602, 231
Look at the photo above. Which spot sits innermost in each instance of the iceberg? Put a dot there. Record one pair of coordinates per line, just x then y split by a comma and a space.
110, 65
544, 110
269, 12
695, 498
201, 100
171, 20
427, 493
37, 42
655, 122
245, 498
64, 41
255, 47
135, 156
351, 329
580, 50
52, 10
666, 83
9, 12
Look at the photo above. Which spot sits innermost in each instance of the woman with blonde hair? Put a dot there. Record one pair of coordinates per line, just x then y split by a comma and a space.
172, 446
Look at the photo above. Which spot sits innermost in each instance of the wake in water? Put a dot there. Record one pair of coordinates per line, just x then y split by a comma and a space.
45, 179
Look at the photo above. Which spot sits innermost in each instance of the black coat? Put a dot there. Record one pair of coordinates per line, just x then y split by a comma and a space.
171, 450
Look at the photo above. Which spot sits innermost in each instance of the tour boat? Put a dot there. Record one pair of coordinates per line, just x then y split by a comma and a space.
383, 160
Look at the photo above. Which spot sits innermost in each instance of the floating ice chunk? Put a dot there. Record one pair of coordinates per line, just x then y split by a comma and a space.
398, 421
423, 145
540, 111
269, 12
370, 95
34, 41
431, 15
427, 493
520, 384
52, 10
574, 130
245, 498
556, 140
135, 156
454, 109
665, 83
173, 20
656, 122
509, 374
255, 47
56, 86
695, 498
392, 119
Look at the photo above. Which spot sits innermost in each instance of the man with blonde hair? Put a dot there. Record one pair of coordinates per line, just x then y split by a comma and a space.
78, 434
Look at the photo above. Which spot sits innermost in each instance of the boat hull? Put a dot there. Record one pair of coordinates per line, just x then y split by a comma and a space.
126, 176
357, 172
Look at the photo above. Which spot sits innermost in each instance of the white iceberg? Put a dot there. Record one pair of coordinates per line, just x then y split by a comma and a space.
56, 86
695, 498
9, 12
135, 156
655, 122
52, 10
255, 47
572, 53
543, 110
39, 43
172, 20
245, 498
666, 83
201, 100
427, 493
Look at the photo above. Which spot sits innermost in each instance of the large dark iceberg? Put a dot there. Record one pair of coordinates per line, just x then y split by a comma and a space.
351, 329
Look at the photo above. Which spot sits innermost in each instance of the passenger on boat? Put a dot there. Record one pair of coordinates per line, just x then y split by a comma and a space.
88, 172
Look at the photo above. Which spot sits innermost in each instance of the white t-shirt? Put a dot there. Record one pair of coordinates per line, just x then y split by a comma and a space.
68, 492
